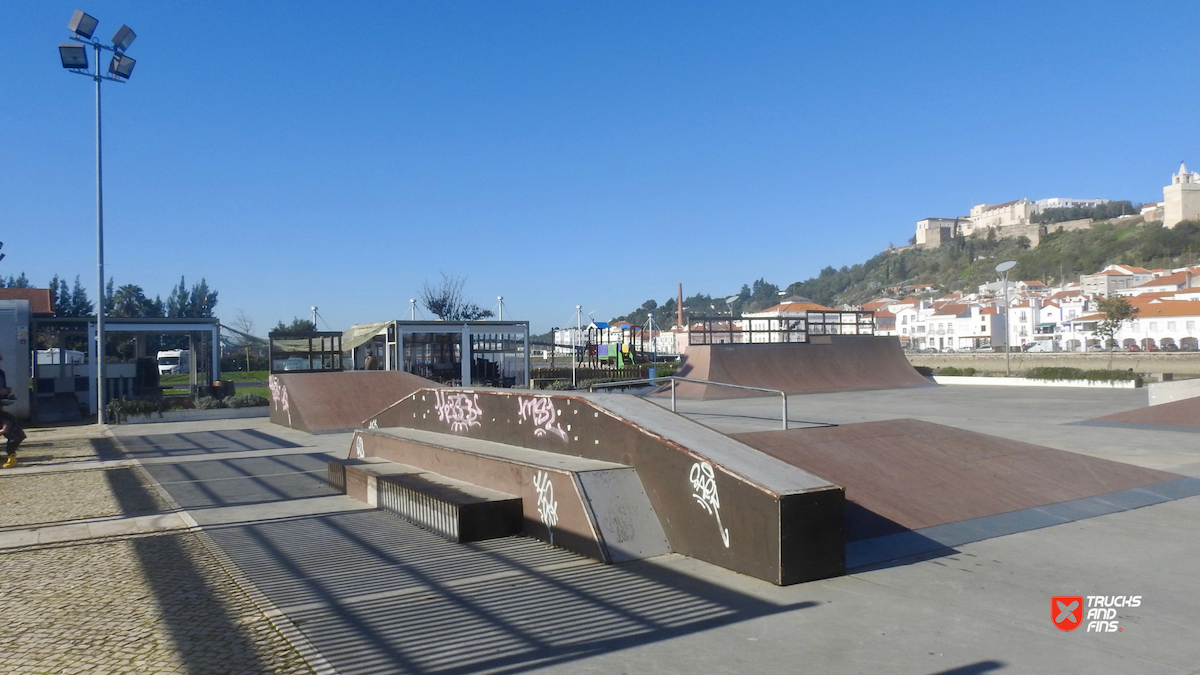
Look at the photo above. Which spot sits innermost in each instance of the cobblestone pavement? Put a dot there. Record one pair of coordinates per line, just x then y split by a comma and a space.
40, 499
41, 449
159, 603
153, 604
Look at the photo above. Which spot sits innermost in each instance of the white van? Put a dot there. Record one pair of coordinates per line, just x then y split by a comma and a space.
174, 362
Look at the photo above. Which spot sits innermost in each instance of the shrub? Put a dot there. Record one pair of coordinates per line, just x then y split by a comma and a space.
208, 403
120, 409
1099, 375
560, 385
246, 401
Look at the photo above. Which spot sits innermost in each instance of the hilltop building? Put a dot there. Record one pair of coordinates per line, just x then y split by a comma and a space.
1066, 203
1181, 199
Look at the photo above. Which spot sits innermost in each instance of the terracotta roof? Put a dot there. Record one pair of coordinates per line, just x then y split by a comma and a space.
1134, 270
1034, 283
952, 310
39, 299
990, 310
884, 314
797, 307
993, 207
1175, 279
875, 305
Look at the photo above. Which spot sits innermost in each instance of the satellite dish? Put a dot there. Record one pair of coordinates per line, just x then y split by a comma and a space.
1006, 266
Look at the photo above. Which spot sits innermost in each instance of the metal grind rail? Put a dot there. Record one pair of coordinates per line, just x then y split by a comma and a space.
674, 379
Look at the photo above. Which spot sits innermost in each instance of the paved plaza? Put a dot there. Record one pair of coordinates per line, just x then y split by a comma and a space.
217, 547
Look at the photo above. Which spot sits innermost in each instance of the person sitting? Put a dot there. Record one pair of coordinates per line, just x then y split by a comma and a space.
12, 432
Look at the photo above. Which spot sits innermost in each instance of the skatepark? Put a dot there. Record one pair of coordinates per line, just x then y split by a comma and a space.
915, 529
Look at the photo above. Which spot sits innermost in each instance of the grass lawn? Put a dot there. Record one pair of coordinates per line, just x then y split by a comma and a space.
234, 376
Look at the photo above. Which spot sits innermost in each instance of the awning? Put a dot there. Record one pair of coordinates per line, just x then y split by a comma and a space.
362, 334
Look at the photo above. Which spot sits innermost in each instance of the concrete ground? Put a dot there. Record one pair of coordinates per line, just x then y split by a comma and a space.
349, 589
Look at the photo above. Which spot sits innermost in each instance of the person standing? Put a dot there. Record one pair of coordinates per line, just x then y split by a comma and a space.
13, 434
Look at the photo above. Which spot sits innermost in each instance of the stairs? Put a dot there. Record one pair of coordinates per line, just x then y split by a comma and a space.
468, 489
458, 511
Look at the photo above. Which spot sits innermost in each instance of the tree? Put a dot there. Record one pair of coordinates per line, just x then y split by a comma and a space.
15, 282
178, 301
1117, 310
445, 301
80, 304
297, 326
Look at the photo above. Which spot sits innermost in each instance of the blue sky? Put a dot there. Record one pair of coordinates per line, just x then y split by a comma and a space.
340, 154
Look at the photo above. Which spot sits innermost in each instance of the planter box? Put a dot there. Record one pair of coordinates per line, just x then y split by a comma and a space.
1027, 382
198, 415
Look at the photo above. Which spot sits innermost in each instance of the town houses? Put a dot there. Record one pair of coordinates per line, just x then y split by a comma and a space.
1045, 318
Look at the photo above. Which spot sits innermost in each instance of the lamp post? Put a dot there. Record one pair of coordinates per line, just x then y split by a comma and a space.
578, 330
74, 58
1003, 269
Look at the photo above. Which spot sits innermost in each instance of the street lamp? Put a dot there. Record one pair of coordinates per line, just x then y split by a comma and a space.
1003, 269
74, 58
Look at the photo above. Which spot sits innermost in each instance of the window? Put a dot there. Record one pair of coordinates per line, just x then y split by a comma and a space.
904, 320
1071, 314
904, 331
1153, 327
1191, 326
1170, 325
1022, 316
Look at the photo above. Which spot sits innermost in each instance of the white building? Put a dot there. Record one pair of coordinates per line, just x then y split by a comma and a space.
1067, 203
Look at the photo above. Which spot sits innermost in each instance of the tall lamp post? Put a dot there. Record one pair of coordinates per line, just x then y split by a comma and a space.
1003, 269
74, 58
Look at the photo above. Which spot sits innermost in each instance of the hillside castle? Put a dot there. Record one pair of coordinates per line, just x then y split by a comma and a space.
1181, 201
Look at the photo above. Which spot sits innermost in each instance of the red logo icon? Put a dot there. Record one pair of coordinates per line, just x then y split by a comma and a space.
1067, 612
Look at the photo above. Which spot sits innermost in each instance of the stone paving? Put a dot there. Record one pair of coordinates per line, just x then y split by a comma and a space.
40, 499
159, 603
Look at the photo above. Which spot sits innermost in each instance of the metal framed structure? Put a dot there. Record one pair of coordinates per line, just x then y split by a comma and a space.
51, 379
710, 330
482, 353
308, 352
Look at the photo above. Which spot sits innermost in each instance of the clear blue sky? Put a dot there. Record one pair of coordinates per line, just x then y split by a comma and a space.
340, 154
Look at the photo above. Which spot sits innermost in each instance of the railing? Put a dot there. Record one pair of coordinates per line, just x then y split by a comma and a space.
674, 379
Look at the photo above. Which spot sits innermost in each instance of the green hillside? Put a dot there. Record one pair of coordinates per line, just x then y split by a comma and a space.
962, 264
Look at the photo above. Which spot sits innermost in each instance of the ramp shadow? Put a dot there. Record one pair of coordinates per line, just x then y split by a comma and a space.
377, 595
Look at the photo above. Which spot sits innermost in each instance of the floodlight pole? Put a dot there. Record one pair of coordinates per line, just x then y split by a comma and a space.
101, 383
1007, 329
100, 337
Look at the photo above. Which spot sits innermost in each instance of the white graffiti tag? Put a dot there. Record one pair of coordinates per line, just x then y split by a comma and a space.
547, 506
704, 490
460, 411
373, 424
359, 451
541, 410
279, 397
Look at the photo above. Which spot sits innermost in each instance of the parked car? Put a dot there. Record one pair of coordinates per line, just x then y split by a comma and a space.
1133, 348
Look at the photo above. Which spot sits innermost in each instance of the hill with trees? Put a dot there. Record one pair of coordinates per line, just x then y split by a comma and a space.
960, 265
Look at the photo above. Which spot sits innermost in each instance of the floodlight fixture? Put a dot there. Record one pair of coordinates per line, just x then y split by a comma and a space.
82, 24
121, 66
123, 38
1006, 266
730, 299
74, 56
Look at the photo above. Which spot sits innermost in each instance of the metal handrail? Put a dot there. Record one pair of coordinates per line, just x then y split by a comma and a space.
675, 378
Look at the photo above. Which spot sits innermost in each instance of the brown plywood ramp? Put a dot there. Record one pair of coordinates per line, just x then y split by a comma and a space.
907, 474
827, 363
322, 403
1185, 413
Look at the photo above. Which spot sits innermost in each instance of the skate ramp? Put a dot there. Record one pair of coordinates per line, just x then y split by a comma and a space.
914, 486
324, 403
714, 498
1183, 415
826, 363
